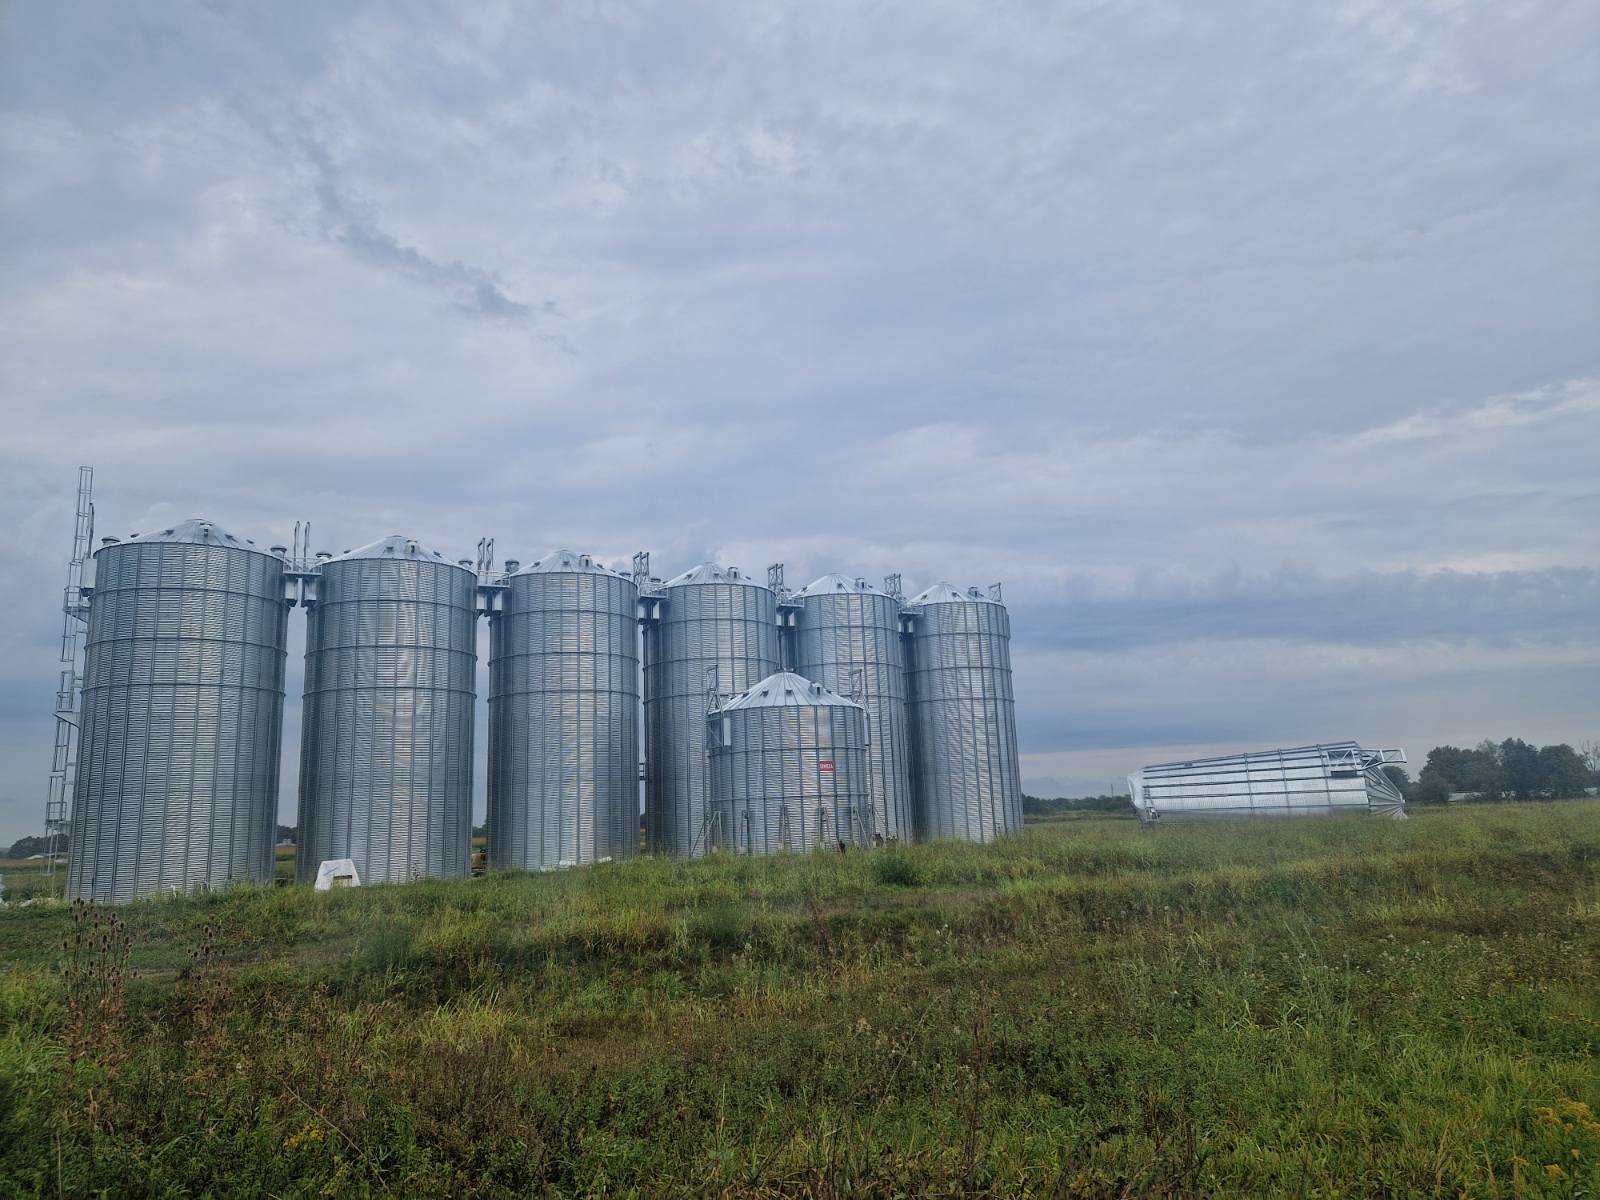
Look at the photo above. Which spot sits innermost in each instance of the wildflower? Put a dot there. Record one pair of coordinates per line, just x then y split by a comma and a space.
1555, 1172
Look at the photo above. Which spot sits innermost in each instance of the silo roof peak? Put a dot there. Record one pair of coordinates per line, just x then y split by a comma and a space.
566, 560
828, 585
397, 546
196, 531
949, 593
711, 572
784, 689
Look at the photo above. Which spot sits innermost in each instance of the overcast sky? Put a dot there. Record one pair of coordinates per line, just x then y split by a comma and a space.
1255, 347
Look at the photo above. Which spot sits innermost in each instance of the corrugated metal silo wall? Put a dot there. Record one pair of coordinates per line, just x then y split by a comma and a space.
966, 773
730, 626
386, 747
843, 631
792, 777
564, 721
177, 777
1295, 781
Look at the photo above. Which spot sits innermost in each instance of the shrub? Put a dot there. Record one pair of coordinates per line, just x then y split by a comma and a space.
892, 866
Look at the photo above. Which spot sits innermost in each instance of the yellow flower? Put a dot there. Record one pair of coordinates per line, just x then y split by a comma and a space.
1555, 1172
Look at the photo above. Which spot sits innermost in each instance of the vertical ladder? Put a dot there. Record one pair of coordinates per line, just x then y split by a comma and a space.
63, 762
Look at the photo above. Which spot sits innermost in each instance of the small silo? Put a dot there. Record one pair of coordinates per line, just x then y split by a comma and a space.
716, 634
386, 743
966, 777
847, 626
789, 769
564, 715
177, 775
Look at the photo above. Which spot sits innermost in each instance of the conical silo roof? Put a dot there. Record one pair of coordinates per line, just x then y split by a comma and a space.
828, 585
557, 561
196, 531
783, 689
710, 572
397, 546
949, 593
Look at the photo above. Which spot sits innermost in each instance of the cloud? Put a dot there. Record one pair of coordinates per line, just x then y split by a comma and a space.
353, 224
1251, 345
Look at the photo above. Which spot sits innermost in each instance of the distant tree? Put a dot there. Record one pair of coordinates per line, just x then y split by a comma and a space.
1484, 775
1039, 806
1431, 789
1402, 781
27, 847
1519, 763
1590, 750
1562, 772
1450, 765
286, 833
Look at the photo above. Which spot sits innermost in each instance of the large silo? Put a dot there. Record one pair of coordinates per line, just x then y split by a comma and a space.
966, 775
847, 626
386, 742
1302, 781
788, 762
716, 630
564, 716
177, 776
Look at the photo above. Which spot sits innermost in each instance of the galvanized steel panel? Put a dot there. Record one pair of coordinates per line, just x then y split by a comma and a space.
386, 745
967, 777
182, 717
1300, 781
710, 617
789, 771
846, 626
564, 717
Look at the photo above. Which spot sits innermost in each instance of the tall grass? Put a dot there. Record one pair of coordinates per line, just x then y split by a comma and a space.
1344, 1006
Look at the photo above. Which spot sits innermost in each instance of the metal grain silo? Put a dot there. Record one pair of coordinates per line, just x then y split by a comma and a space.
386, 743
789, 769
847, 626
177, 777
1301, 781
564, 716
713, 632
966, 775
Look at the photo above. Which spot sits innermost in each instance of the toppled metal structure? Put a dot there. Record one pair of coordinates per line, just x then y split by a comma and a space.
1301, 781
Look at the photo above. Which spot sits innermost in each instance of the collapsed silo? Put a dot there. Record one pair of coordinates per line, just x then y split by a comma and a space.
712, 633
564, 716
386, 729
182, 716
966, 775
788, 762
1299, 781
847, 626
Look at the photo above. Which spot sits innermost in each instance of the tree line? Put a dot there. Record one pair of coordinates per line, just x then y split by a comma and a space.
1509, 770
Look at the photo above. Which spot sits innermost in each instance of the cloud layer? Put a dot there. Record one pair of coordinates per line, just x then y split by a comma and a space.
1252, 347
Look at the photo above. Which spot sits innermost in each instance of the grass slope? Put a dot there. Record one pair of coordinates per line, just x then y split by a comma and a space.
1343, 1006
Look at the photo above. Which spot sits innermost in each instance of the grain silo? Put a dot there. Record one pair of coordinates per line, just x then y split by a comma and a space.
966, 776
1301, 781
709, 633
789, 770
564, 715
177, 775
386, 743
847, 638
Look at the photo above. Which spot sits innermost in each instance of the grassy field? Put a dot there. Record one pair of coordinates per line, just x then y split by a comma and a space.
1338, 1007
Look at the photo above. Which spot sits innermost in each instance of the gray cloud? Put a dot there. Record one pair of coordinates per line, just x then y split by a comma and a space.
354, 224
1252, 346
